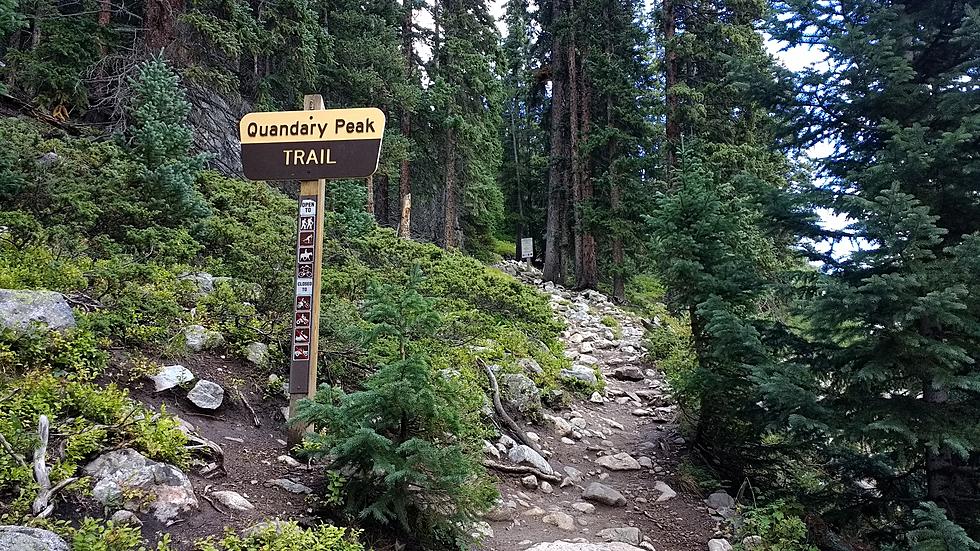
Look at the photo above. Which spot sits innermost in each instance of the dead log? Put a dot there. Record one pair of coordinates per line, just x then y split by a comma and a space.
521, 469
502, 414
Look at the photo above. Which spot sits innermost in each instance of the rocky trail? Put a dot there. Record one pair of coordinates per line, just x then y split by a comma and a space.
614, 456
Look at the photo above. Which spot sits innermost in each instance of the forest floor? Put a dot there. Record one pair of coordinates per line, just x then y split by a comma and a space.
633, 416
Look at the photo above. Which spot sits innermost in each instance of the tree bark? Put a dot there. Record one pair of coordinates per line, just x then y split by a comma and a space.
450, 210
557, 166
588, 277
405, 176
160, 21
669, 29
370, 194
381, 203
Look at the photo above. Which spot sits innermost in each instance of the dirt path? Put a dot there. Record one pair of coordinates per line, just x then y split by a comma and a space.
633, 417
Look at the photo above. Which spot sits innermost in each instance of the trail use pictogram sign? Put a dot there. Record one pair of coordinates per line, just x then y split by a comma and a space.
310, 145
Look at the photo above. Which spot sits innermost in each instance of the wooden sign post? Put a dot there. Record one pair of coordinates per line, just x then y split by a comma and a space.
311, 146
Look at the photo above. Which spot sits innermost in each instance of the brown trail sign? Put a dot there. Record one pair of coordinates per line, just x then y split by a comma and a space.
309, 145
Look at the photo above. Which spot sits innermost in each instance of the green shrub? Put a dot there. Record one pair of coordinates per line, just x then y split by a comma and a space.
779, 526
401, 442
285, 536
671, 347
53, 374
100, 535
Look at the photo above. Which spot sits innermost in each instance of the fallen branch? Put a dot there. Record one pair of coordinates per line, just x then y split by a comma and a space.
10, 450
255, 417
42, 506
521, 469
502, 414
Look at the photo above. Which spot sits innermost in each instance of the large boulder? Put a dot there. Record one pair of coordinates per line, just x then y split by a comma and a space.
22, 538
526, 455
197, 338
128, 479
20, 309
171, 376
568, 546
620, 462
519, 394
580, 372
600, 493
628, 373
206, 395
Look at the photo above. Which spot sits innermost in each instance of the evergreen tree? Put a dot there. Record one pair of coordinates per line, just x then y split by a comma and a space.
898, 97
524, 153
161, 143
400, 443
723, 231
465, 96
893, 390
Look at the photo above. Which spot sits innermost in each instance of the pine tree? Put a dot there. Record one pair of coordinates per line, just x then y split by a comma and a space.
722, 233
898, 97
893, 389
161, 143
465, 97
399, 441
524, 153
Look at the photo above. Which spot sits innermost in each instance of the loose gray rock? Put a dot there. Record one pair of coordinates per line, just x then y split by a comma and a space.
628, 373
22, 538
597, 398
583, 507
600, 493
127, 478
257, 353
719, 545
290, 486
530, 366
751, 542
720, 500
123, 516
171, 376
582, 546
563, 521
233, 500
620, 462
206, 395
666, 492
645, 462
519, 394
522, 454
197, 338
502, 511
546, 487
626, 534
578, 372
202, 280
573, 474
20, 309
530, 482
558, 425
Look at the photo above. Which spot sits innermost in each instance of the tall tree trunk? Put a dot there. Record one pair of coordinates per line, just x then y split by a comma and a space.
557, 166
405, 176
519, 192
381, 201
574, 89
615, 204
588, 278
370, 194
451, 210
160, 21
669, 29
